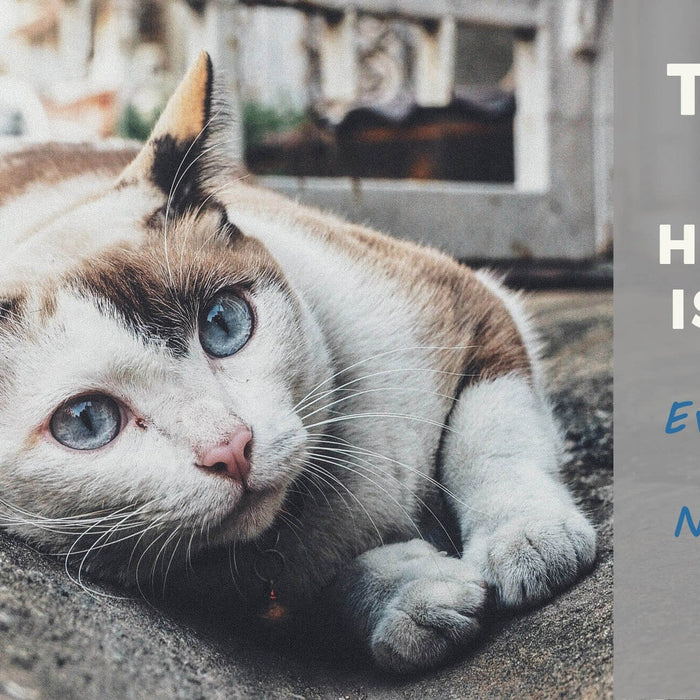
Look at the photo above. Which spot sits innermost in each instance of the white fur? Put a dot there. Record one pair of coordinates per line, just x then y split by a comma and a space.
520, 525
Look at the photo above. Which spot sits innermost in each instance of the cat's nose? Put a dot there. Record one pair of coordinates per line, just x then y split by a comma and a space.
232, 457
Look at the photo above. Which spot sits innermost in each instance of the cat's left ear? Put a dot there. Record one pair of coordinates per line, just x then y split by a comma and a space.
193, 147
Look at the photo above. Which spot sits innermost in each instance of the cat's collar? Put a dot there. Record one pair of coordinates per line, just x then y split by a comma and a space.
269, 562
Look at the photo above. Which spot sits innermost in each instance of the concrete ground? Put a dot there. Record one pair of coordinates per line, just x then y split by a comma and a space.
58, 641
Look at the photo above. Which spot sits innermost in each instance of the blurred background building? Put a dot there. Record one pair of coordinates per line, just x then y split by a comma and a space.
480, 126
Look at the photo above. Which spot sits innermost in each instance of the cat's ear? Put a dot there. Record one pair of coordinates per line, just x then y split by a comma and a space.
193, 148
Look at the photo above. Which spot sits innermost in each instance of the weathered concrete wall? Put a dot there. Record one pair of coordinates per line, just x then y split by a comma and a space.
465, 220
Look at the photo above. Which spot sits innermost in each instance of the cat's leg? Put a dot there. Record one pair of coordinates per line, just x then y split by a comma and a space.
521, 528
411, 605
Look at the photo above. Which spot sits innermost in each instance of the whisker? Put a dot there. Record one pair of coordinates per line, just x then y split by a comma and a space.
309, 478
87, 554
355, 394
76, 520
411, 520
319, 475
329, 392
329, 437
138, 566
343, 465
306, 492
117, 526
161, 552
153, 525
294, 529
235, 568
170, 563
372, 469
322, 473
71, 551
408, 416
384, 353
188, 554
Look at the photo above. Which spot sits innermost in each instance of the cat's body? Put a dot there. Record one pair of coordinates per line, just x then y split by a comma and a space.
370, 375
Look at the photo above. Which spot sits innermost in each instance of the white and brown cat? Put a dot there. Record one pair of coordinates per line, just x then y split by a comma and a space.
194, 368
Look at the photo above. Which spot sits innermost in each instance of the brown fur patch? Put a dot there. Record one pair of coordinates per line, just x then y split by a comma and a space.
162, 302
48, 304
187, 110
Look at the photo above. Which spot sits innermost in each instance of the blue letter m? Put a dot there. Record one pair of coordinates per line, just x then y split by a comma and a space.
685, 514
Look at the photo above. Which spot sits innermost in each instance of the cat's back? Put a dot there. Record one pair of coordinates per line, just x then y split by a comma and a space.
26, 167
41, 183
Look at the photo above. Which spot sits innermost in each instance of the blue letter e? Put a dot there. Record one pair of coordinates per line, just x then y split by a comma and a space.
685, 515
674, 417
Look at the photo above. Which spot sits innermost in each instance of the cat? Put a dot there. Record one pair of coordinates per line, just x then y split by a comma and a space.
196, 370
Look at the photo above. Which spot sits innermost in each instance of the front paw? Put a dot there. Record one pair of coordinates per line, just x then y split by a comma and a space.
429, 618
528, 559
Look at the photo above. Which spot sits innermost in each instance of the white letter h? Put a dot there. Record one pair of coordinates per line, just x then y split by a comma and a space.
686, 244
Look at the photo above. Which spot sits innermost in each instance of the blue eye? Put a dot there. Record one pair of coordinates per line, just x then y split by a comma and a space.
225, 325
87, 422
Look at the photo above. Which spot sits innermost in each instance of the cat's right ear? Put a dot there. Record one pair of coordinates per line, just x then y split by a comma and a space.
193, 149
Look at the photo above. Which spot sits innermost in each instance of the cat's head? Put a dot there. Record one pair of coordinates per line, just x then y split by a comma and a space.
151, 358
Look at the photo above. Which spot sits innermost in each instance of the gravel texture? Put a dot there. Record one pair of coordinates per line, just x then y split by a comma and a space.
59, 641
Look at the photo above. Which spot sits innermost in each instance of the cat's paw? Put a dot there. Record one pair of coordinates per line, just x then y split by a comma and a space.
527, 560
429, 619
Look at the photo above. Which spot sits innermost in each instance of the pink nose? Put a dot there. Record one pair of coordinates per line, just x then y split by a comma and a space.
232, 457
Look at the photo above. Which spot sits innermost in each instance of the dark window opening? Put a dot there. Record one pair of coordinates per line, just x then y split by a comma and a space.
385, 132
